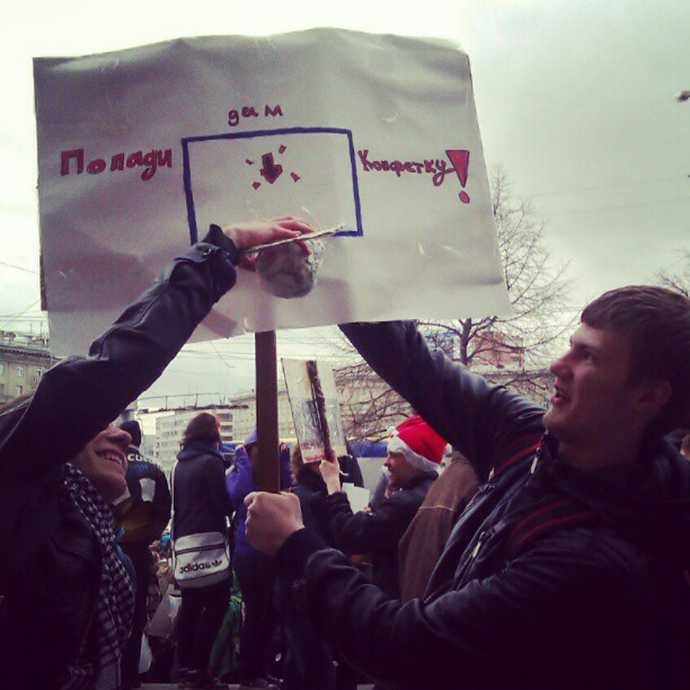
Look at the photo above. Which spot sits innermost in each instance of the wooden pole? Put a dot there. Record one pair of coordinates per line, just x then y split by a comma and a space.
268, 466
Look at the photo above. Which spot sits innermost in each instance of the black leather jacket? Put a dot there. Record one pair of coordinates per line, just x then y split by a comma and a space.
551, 578
50, 564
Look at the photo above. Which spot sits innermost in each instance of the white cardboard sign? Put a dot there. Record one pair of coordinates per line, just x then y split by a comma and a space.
303, 403
140, 150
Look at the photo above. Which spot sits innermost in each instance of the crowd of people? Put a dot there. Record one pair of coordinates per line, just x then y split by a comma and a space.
553, 550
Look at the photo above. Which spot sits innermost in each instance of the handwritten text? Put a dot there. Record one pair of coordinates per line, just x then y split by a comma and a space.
150, 161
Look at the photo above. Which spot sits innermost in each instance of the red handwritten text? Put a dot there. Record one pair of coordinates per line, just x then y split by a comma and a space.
234, 116
437, 167
150, 161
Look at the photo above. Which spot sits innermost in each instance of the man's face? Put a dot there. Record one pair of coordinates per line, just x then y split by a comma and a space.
399, 470
104, 462
594, 400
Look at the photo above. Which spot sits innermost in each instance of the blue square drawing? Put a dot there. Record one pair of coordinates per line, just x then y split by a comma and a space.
310, 169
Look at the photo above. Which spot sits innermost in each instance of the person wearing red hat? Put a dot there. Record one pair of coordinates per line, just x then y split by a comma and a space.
415, 452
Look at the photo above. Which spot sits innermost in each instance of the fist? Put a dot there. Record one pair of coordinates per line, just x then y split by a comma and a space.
271, 519
330, 471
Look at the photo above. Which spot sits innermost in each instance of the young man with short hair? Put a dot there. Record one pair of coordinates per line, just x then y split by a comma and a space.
566, 569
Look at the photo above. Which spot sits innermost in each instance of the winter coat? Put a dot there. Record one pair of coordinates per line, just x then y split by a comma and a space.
551, 578
50, 563
145, 513
379, 531
240, 483
312, 492
424, 540
201, 503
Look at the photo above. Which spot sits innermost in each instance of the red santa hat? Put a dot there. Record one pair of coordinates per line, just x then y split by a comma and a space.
420, 445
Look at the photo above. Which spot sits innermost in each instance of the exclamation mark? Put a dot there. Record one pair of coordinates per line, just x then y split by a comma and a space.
460, 161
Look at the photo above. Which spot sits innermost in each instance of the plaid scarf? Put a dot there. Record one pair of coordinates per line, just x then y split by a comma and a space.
99, 656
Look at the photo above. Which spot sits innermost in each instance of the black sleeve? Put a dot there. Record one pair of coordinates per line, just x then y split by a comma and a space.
472, 415
161, 504
362, 532
215, 482
452, 641
80, 396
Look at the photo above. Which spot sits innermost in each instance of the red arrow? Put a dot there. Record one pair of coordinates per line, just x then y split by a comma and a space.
270, 172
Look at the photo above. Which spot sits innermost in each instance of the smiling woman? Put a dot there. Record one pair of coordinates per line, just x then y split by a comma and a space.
103, 462
63, 584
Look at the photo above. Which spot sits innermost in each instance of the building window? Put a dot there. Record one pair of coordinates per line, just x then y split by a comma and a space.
2, 389
20, 372
2, 368
39, 372
20, 390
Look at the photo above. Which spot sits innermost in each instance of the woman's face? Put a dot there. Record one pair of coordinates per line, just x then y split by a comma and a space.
103, 461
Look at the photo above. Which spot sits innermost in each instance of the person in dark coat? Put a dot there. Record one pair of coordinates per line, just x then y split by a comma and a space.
64, 590
201, 505
255, 572
566, 569
415, 451
143, 513
309, 665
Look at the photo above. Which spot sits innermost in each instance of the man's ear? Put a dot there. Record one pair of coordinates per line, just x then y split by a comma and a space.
652, 395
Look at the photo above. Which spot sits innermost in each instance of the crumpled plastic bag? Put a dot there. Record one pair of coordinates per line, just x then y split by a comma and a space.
286, 271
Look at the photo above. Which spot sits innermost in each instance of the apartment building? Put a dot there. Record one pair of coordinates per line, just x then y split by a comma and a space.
23, 361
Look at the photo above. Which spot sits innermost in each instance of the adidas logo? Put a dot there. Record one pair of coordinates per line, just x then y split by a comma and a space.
194, 567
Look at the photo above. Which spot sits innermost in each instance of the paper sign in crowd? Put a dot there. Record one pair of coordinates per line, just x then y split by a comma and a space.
303, 394
140, 150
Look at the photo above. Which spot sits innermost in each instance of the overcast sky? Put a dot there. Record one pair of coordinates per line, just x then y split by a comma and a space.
576, 102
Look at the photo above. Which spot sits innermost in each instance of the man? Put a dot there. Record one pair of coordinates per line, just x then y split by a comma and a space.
144, 512
415, 451
65, 596
565, 570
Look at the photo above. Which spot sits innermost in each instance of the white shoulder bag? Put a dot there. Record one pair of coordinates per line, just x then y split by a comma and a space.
201, 559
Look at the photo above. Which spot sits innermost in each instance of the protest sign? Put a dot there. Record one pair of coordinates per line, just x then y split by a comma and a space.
140, 150
315, 408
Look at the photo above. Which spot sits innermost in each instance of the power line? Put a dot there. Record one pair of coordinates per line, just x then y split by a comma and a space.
21, 313
614, 185
619, 206
19, 268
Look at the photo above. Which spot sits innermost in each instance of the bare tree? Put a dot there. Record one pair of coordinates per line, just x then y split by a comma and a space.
369, 407
510, 351
677, 280
537, 292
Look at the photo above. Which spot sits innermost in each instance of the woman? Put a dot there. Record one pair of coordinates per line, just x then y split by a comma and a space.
63, 587
200, 505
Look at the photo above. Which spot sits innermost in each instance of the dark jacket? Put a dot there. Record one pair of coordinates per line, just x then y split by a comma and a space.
311, 490
379, 531
49, 559
551, 578
201, 503
143, 516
